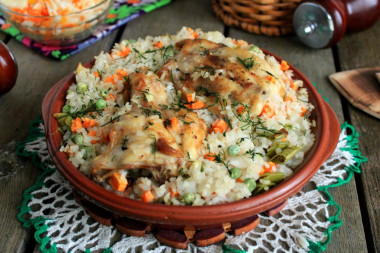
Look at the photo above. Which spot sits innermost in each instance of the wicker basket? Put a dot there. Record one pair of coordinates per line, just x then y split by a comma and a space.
269, 17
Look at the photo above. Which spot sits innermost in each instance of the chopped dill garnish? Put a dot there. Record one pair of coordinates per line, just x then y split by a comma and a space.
151, 111
218, 99
248, 62
111, 120
269, 73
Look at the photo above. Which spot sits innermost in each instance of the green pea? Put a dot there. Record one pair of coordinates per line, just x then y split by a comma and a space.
254, 49
66, 108
233, 150
235, 173
251, 184
81, 88
189, 198
78, 139
100, 104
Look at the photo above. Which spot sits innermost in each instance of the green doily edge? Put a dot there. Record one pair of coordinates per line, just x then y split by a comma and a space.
41, 224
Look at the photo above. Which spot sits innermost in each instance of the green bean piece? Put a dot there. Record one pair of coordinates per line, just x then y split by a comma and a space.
235, 173
81, 88
274, 177
233, 150
101, 104
66, 108
281, 134
88, 151
78, 139
285, 155
251, 184
288, 127
281, 144
63, 119
189, 198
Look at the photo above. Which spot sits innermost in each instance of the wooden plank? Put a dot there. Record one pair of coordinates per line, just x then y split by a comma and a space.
317, 65
2, 36
171, 18
17, 109
357, 51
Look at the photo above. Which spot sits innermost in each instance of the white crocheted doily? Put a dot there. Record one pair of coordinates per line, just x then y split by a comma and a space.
63, 224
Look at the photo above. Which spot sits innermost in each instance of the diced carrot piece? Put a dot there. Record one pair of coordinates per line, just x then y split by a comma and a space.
209, 156
111, 97
174, 123
284, 65
271, 79
124, 52
293, 86
196, 105
288, 99
147, 196
87, 122
96, 74
109, 79
240, 109
239, 42
133, 1
304, 110
118, 182
158, 44
91, 133
284, 139
269, 169
76, 125
122, 72
193, 33
189, 97
217, 130
173, 193
220, 126
239, 180
268, 111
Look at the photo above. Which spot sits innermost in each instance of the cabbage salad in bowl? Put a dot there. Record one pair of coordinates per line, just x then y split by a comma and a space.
188, 119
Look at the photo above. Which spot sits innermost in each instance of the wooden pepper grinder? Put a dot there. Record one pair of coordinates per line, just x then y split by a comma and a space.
323, 23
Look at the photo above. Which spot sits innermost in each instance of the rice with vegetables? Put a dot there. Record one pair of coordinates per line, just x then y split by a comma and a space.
189, 119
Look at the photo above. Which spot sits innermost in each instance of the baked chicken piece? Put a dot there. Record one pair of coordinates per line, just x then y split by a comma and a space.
232, 73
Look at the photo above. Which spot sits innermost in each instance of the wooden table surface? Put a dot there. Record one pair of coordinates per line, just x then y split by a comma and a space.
360, 198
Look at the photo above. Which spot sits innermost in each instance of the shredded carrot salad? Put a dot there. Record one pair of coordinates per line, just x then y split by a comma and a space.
48, 19
49, 7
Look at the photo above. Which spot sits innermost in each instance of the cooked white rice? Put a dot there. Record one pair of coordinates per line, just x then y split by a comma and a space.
209, 181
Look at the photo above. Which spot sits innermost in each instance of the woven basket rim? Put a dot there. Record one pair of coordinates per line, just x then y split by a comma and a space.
276, 20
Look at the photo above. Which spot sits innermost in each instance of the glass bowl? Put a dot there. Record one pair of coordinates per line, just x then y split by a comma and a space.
59, 30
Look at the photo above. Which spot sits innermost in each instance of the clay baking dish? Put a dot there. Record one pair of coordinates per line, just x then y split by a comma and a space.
326, 132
